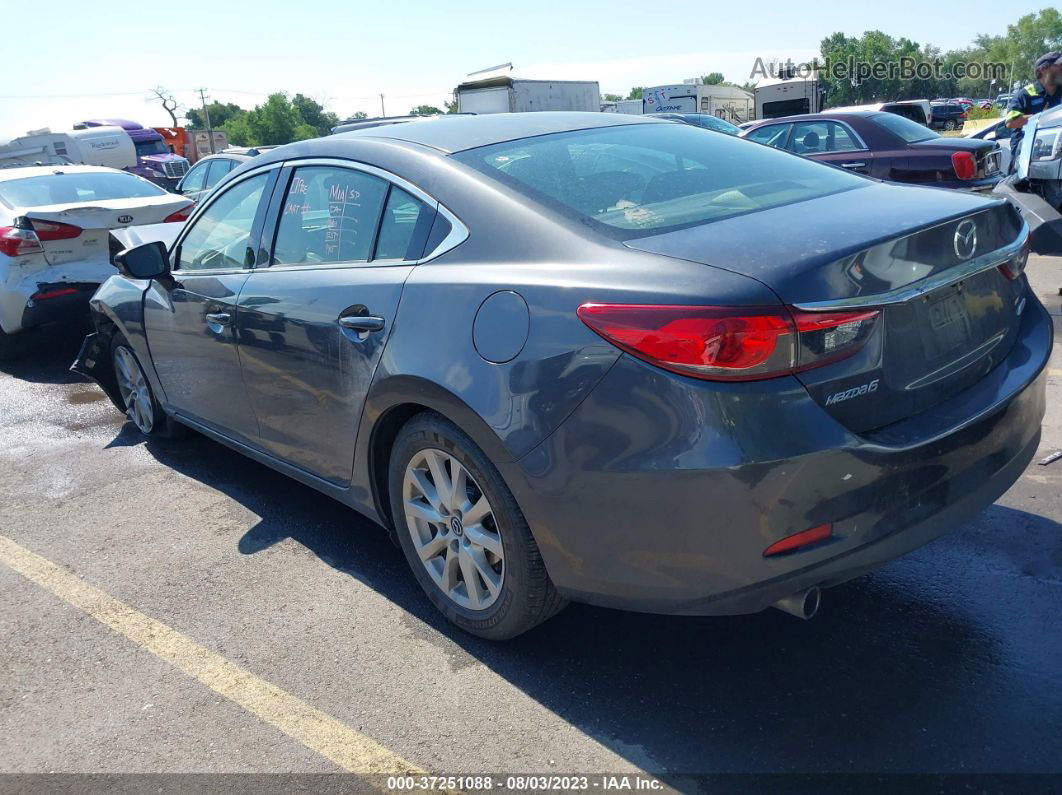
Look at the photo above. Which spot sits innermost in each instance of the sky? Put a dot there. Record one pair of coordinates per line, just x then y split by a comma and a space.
98, 58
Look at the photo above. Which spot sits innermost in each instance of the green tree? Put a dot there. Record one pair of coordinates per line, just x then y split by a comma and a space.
611, 98
424, 110
1025, 41
219, 114
358, 114
451, 105
313, 113
714, 79
238, 131
636, 93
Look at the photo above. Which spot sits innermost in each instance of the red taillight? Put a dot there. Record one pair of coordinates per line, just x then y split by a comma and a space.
53, 230
799, 540
964, 164
180, 216
16, 241
729, 343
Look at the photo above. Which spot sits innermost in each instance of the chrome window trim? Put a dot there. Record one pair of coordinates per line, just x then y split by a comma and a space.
458, 231
985, 262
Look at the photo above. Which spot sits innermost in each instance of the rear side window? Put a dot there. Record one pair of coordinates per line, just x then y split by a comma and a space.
329, 215
398, 226
909, 131
643, 179
818, 137
74, 187
218, 169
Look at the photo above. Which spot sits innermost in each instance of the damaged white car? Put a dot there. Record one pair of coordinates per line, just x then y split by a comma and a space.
60, 227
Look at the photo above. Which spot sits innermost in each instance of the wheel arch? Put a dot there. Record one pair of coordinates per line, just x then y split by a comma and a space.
391, 404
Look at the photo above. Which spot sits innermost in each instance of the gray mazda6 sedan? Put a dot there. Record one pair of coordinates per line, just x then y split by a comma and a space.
578, 356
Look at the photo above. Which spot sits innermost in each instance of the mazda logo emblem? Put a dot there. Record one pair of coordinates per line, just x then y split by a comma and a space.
124, 219
965, 239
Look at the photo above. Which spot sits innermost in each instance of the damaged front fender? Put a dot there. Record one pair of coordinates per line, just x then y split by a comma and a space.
1045, 222
94, 361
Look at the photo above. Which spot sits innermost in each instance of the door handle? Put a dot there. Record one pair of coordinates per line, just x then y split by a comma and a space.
219, 318
362, 322
853, 165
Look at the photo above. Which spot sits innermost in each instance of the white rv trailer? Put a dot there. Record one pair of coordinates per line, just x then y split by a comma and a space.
96, 146
777, 97
727, 102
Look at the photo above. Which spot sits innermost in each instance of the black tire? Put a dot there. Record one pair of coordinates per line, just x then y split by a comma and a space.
160, 424
527, 596
12, 346
950, 125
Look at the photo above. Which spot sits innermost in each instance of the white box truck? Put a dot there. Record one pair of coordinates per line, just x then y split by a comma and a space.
727, 102
506, 94
95, 146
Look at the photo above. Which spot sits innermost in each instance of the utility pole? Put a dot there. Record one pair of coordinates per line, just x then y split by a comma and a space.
382, 111
206, 118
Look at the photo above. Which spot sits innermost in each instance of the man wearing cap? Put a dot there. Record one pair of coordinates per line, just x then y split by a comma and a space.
1045, 93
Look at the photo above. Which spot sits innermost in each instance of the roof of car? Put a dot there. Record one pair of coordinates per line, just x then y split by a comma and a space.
456, 133
22, 172
826, 114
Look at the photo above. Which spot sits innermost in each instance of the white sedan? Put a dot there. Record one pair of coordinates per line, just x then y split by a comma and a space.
55, 238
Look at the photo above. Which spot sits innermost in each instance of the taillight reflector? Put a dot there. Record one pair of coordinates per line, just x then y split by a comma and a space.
964, 164
799, 540
58, 292
1014, 266
719, 343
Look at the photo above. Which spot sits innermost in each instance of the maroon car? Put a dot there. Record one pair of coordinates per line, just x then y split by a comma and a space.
884, 146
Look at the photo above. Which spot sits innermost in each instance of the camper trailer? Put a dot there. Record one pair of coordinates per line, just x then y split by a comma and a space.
731, 103
98, 146
789, 96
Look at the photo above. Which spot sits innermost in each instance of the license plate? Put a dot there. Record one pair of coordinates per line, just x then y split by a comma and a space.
949, 326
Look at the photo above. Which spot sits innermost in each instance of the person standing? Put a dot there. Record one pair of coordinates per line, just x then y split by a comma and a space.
1044, 93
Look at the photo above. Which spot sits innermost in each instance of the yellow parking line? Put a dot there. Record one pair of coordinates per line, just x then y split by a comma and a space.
1051, 371
316, 730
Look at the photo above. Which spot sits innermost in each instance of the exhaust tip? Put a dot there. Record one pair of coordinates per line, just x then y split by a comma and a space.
802, 604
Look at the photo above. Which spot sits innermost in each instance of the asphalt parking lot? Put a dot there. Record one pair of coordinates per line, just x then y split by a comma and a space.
944, 661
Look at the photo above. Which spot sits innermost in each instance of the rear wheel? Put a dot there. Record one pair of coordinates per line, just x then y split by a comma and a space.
141, 407
464, 536
950, 124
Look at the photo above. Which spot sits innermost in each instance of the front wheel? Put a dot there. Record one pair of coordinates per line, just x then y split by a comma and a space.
463, 534
141, 407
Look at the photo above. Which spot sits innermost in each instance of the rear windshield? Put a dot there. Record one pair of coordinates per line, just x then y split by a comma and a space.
78, 187
905, 128
643, 179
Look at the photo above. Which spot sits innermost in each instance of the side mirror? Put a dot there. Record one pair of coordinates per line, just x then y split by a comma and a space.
147, 261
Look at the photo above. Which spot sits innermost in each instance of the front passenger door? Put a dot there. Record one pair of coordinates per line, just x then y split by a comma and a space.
190, 317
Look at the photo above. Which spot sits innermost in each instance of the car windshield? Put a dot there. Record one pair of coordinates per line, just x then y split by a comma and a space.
642, 179
151, 148
84, 186
910, 131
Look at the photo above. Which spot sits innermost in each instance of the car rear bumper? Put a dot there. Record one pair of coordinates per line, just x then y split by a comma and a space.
660, 493
64, 302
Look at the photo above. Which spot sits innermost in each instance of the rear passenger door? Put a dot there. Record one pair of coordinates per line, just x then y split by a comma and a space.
831, 142
314, 320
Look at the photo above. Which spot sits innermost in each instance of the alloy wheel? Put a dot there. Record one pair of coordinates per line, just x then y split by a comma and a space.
136, 394
453, 528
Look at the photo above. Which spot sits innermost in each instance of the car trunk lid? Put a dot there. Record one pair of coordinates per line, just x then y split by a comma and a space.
948, 314
77, 232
